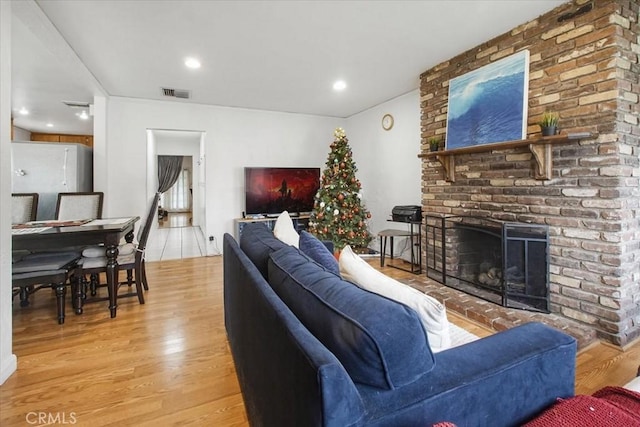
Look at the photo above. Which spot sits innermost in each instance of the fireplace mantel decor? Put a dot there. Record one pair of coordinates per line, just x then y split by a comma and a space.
503, 262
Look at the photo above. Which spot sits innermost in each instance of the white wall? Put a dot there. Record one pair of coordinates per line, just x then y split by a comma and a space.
8, 361
235, 138
387, 161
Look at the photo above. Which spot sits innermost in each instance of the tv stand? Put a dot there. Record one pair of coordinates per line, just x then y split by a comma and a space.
300, 222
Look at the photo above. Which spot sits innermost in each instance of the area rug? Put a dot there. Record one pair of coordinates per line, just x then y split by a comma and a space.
608, 407
460, 336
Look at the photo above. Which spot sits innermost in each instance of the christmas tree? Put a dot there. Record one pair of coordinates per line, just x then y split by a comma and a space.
338, 214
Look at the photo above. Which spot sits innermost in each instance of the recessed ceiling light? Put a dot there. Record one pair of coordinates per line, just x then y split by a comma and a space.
23, 111
339, 85
49, 125
83, 115
192, 63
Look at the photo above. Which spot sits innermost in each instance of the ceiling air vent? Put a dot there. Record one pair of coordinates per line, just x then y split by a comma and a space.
176, 93
76, 104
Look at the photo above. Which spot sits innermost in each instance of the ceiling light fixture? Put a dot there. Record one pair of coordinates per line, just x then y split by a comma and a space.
340, 85
83, 115
192, 63
49, 125
23, 111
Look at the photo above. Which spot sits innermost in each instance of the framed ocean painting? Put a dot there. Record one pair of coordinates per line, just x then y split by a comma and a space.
489, 104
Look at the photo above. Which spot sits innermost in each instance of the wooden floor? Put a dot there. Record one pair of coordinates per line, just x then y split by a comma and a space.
176, 219
167, 362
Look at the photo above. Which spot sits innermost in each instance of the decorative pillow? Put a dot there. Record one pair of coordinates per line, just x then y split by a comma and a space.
317, 251
432, 313
285, 231
379, 342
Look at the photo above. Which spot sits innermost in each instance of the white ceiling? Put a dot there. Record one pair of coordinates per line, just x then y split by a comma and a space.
270, 55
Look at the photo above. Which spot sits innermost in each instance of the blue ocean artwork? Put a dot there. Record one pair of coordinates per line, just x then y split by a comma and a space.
489, 104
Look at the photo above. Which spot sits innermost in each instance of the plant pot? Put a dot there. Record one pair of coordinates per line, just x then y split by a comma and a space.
548, 130
434, 148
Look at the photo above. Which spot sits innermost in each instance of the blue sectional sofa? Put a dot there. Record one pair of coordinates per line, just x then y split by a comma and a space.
311, 349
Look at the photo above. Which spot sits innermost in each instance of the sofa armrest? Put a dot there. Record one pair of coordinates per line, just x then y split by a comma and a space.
501, 380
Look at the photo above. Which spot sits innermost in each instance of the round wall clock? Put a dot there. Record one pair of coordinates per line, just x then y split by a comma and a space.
387, 122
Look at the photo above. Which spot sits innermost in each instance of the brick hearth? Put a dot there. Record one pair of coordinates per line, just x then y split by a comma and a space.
496, 317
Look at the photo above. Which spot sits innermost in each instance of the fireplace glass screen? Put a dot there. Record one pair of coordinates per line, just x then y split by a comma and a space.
506, 263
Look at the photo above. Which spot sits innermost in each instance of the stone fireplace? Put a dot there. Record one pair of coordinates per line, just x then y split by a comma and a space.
505, 263
585, 67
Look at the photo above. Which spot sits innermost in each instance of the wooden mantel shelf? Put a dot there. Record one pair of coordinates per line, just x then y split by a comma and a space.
540, 148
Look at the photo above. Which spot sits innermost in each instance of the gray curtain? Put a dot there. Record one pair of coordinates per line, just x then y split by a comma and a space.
169, 168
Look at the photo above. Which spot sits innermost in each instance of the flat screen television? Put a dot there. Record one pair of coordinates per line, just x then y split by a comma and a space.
269, 191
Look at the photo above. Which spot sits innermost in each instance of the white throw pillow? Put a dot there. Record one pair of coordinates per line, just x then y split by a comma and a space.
431, 312
285, 231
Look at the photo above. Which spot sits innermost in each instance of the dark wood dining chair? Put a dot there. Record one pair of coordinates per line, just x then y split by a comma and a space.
82, 205
52, 271
130, 258
24, 207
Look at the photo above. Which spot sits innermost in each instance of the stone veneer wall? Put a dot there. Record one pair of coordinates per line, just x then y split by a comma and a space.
587, 69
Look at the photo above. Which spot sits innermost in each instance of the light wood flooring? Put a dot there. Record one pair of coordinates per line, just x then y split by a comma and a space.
176, 219
167, 362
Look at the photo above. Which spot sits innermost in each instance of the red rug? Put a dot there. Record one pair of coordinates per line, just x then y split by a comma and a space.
608, 407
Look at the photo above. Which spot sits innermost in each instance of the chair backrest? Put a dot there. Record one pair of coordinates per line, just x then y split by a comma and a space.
72, 206
24, 207
146, 228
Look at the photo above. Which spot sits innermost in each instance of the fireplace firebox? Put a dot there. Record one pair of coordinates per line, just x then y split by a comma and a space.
503, 262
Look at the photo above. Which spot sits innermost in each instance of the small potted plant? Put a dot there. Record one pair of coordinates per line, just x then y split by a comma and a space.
434, 143
549, 123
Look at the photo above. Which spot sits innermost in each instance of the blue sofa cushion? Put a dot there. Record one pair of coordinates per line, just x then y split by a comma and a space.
317, 251
257, 242
380, 342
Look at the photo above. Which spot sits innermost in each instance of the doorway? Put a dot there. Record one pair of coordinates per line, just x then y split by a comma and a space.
180, 226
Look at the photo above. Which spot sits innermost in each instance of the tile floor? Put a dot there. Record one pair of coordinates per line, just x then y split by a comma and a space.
175, 243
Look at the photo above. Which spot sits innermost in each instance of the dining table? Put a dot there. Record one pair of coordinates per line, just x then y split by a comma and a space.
53, 235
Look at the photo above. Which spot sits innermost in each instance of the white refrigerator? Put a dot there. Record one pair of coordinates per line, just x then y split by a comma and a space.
49, 169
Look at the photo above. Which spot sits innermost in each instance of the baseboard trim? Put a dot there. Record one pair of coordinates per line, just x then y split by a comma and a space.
9, 366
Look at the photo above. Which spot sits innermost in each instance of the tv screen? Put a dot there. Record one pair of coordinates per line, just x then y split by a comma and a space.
269, 191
